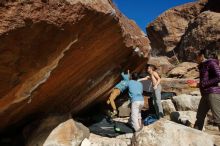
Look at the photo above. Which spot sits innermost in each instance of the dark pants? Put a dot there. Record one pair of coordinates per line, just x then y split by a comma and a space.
208, 101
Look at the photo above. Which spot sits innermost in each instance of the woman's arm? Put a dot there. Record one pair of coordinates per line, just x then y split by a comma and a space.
143, 79
126, 76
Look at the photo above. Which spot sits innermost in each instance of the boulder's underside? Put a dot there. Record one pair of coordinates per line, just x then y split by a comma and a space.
62, 56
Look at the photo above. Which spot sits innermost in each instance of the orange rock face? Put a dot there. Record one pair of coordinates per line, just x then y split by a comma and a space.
62, 55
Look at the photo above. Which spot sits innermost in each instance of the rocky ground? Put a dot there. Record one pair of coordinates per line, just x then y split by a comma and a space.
171, 130
63, 130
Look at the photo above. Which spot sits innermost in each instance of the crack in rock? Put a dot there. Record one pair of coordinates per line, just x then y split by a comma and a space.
39, 78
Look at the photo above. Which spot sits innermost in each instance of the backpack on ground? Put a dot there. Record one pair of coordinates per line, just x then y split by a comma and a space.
150, 120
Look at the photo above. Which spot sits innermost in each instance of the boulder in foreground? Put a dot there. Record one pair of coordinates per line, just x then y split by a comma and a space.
167, 133
186, 102
55, 130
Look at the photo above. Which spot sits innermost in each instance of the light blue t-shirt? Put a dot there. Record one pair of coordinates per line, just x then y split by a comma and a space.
123, 85
135, 90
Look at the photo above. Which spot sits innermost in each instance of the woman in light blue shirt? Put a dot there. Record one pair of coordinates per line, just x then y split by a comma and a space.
137, 101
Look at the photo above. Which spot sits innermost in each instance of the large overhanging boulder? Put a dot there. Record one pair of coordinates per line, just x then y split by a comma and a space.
62, 55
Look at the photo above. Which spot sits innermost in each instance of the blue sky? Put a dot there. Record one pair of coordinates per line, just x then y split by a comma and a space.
145, 11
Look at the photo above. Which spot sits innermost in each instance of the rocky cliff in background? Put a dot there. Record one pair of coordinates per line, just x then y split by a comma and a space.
194, 24
177, 33
62, 55
166, 31
203, 32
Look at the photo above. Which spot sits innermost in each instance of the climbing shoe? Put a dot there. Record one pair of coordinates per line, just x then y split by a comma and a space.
114, 113
111, 114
